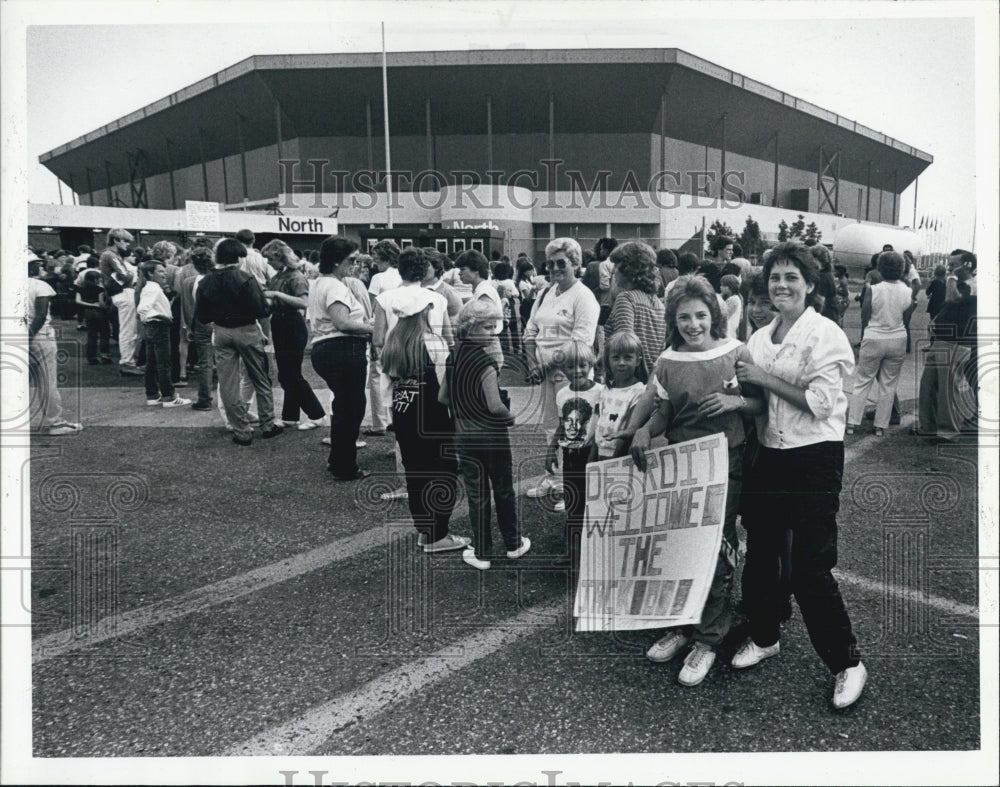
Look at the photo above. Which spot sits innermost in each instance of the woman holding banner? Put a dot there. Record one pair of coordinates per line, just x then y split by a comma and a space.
800, 360
694, 382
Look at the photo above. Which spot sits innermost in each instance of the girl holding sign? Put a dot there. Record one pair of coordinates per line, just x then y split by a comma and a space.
695, 388
800, 360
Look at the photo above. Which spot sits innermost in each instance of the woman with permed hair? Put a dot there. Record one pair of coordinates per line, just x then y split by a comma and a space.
636, 308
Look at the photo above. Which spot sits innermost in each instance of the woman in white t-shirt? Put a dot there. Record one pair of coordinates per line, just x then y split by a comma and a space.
883, 347
340, 338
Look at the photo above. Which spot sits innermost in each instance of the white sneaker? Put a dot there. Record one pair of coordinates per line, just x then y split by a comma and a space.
667, 646
288, 424
326, 441
697, 664
450, 541
513, 554
64, 428
469, 556
850, 684
543, 487
751, 653
177, 401
153, 402
360, 444
308, 424
560, 504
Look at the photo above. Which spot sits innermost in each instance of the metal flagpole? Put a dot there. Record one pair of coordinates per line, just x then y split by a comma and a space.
385, 113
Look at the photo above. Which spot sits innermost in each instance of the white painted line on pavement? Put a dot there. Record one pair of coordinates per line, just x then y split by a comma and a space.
937, 602
303, 735
62, 642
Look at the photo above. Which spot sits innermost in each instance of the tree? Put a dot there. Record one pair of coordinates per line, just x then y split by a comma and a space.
798, 228
813, 235
751, 240
717, 232
782, 231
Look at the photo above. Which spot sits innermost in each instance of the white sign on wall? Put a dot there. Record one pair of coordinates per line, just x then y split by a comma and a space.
202, 216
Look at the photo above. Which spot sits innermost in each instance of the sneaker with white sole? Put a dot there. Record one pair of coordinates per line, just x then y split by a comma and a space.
421, 539
64, 428
751, 653
469, 556
850, 684
560, 504
287, 424
177, 401
360, 444
449, 542
153, 402
311, 423
545, 486
513, 554
667, 646
697, 664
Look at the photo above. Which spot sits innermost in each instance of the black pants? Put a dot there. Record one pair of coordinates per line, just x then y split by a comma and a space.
289, 336
98, 330
426, 444
797, 490
575, 494
343, 365
156, 339
175, 340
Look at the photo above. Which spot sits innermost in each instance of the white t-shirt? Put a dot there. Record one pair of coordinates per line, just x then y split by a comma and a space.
613, 408
389, 279
435, 317
889, 300
327, 291
559, 317
36, 288
734, 313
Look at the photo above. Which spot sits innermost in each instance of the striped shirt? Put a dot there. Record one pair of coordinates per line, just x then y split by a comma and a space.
643, 314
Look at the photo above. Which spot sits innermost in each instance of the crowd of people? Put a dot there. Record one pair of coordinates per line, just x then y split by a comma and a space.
625, 344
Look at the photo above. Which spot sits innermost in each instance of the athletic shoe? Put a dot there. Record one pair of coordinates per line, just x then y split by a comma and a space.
326, 441
751, 653
697, 664
288, 424
878, 432
469, 556
513, 554
242, 440
154, 402
360, 444
850, 684
177, 401
131, 370
374, 432
253, 419
667, 646
560, 504
202, 406
543, 487
309, 423
449, 542
63, 428
272, 431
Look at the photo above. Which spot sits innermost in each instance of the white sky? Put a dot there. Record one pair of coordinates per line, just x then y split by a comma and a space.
904, 69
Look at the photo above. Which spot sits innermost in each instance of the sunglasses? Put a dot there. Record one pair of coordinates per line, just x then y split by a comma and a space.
560, 264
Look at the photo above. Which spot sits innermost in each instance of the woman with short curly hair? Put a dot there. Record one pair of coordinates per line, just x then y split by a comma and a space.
636, 308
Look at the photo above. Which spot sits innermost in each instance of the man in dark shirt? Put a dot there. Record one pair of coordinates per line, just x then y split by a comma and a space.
233, 301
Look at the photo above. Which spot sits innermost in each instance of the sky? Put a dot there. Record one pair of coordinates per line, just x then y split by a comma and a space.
905, 69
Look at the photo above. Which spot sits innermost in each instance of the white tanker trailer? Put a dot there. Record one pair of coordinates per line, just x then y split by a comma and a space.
854, 244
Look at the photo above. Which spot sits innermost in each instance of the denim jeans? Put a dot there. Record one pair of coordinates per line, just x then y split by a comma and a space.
156, 336
289, 334
233, 345
485, 460
342, 362
205, 363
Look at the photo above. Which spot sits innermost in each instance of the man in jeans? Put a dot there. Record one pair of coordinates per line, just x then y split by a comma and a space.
193, 331
119, 286
233, 300
155, 315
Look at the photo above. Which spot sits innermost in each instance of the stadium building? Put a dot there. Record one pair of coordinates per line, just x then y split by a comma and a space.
492, 149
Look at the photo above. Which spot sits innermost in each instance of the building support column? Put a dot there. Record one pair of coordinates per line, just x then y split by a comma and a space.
107, 175
430, 133
170, 172
368, 134
243, 156
722, 172
552, 134
204, 164
72, 187
225, 182
663, 131
774, 199
895, 195
489, 132
90, 189
868, 193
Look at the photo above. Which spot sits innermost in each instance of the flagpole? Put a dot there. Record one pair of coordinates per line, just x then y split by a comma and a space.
916, 191
385, 113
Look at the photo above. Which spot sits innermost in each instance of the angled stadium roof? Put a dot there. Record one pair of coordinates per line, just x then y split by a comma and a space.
596, 91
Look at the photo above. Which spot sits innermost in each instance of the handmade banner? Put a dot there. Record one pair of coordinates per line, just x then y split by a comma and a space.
651, 540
